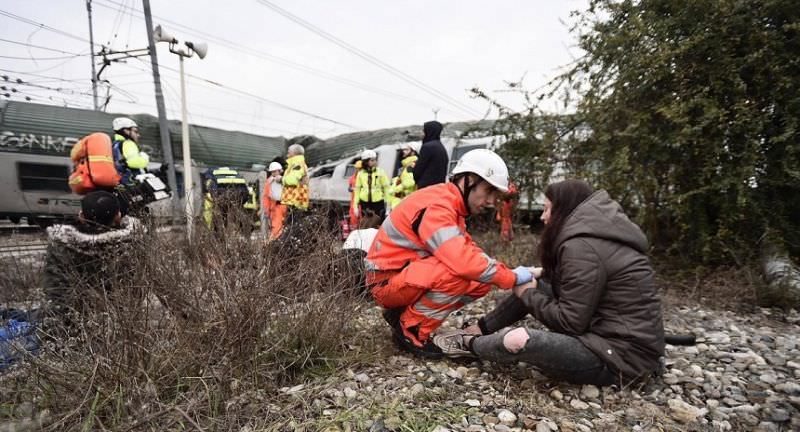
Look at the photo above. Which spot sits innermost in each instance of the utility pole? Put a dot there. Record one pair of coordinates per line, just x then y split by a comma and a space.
166, 145
91, 50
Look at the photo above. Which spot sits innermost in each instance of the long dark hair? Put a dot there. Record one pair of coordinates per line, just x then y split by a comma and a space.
564, 196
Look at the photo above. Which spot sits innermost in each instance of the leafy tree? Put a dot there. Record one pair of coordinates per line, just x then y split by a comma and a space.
693, 111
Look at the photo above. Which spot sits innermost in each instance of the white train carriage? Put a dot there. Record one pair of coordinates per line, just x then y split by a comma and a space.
34, 186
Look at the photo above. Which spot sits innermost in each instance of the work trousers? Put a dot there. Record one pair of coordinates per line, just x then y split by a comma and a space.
277, 216
428, 291
379, 208
555, 355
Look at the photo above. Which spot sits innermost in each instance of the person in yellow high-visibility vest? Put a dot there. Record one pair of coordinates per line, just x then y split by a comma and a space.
372, 186
403, 184
226, 192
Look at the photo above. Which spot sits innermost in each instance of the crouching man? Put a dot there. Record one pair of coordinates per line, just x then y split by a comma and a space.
78, 255
423, 265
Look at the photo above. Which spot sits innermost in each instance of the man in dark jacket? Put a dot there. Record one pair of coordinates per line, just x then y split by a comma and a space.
431, 167
80, 256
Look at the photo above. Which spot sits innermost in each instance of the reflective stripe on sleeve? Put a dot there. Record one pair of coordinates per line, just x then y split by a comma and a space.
399, 239
437, 314
491, 270
446, 299
442, 235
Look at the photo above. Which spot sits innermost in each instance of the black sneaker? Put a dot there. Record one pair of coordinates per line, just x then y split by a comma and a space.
428, 350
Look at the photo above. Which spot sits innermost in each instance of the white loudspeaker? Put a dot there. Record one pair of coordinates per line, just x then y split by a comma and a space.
201, 48
161, 35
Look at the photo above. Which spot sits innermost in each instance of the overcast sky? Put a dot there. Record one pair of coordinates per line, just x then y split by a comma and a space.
261, 56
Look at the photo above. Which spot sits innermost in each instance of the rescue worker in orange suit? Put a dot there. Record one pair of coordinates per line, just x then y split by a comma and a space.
351, 187
271, 200
423, 264
505, 213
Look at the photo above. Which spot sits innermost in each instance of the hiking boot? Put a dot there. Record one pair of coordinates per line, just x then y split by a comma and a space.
428, 350
454, 343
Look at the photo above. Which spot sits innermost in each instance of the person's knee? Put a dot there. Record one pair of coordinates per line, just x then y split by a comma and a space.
515, 340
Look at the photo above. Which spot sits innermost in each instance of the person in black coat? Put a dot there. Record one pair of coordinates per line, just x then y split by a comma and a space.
431, 167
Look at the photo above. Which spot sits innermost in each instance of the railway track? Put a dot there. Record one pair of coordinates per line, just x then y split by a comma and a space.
23, 249
12, 229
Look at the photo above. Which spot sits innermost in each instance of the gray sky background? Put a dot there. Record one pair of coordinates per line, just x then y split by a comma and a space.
450, 45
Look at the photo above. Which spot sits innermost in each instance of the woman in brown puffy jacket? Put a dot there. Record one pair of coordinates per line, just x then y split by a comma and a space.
596, 296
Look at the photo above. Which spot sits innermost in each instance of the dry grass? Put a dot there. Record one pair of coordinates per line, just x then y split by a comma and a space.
197, 336
207, 335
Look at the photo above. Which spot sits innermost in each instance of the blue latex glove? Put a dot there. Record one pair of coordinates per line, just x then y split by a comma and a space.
523, 275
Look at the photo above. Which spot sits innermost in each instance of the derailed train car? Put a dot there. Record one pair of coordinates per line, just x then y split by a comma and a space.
35, 141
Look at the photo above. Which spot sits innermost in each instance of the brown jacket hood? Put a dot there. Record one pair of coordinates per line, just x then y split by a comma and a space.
601, 217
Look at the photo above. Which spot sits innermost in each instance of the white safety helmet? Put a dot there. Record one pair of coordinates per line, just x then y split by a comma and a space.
415, 146
123, 123
274, 166
486, 164
369, 154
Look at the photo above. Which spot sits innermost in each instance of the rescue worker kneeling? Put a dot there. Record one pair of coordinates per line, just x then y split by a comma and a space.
423, 265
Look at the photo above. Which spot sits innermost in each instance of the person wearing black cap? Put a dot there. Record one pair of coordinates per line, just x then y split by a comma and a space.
77, 254
431, 166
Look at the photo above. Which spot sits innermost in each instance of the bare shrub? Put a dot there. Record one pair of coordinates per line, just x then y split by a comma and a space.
188, 332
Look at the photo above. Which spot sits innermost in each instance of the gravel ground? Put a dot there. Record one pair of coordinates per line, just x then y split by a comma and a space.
743, 374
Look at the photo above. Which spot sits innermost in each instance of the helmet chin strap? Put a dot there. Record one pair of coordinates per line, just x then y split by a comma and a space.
468, 187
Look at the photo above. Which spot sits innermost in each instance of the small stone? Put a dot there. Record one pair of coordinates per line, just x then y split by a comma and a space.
770, 379
590, 392
490, 419
350, 393
394, 423
542, 427
684, 412
721, 425
472, 402
417, 389
578, 404
789, 388
779, 415
766, 426
452, 373
506, 417
556, 394
362, 377
440, 429
502, 428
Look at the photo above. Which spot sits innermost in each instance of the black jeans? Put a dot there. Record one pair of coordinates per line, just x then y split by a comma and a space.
555, 355
379, 208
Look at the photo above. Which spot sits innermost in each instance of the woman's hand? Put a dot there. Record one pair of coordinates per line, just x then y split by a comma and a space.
519, 290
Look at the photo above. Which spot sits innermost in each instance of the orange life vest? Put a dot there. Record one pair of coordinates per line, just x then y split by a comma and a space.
93, 164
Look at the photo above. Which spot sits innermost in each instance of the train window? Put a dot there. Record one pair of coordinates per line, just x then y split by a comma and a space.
43, 177
460, 151
351, 168
323, 171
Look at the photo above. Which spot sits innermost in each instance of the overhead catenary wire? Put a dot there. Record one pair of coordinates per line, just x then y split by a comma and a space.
257, 97
30, 45
372, 59
43, 26
276, 59
42, 58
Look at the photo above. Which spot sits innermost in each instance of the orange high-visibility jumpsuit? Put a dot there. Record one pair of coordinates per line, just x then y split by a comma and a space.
351, 183
273, 208
505, 213
424, 259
